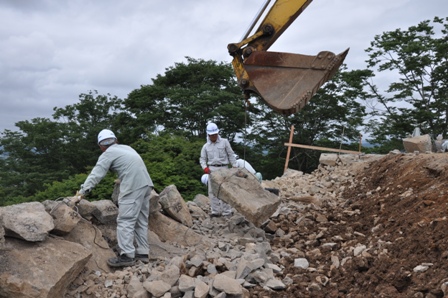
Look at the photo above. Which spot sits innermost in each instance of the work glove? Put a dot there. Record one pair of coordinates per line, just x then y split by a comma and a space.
206, 170
82, 191
78, 197
74, 201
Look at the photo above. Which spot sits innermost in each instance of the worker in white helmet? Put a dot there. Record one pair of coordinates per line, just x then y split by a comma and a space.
216, 154
133, 201
241, 163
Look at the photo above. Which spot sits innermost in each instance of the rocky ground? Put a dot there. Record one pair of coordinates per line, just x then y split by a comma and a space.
389, 229
373, 226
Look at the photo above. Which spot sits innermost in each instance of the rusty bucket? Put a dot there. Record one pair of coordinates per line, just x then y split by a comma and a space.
285, 81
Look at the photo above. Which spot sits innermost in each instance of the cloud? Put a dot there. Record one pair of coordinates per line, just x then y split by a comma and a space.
52, 51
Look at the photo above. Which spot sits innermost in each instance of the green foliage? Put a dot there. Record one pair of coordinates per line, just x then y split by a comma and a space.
68, 188
170, 159
386, 147
173, 159
35, 156
81, 123
43, 151
419, 57
60, 189
187, 97
9, 200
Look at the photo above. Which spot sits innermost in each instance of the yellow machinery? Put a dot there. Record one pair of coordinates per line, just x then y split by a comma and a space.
286, 82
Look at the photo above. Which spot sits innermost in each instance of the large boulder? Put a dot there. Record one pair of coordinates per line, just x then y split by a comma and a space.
27, 221
64, 217
40, 269
2, 233
105, 212
174, 205
171, 231
421, 144
242, 190
91, 238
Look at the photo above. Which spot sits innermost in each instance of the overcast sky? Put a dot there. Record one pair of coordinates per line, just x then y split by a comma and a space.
54, 50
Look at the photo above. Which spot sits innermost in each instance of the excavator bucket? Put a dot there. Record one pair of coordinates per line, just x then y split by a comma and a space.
286, 82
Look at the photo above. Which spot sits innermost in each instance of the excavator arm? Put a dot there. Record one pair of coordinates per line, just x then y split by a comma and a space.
285, 81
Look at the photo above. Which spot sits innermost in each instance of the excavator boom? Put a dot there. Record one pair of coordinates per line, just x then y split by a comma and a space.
285, 81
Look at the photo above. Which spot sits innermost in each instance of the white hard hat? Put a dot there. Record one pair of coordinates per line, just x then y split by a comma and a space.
106, 134
259, 176
204, 179
212, 128
236, 156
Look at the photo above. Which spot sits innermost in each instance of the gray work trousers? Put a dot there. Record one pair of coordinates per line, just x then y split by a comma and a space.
132, 222
217, 206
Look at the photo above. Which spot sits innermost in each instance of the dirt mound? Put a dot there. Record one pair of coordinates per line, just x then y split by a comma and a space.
386, 238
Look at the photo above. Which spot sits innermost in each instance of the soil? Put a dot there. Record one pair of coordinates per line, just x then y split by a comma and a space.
398, 210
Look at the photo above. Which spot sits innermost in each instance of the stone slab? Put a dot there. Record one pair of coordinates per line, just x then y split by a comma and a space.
241, 190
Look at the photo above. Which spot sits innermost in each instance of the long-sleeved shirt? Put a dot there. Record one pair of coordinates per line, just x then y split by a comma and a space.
217, 153
127, 163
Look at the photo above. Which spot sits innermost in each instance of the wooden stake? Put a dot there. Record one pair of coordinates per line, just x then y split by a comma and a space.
290, 144
291, 133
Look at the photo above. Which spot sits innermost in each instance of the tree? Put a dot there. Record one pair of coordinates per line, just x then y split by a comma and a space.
82, 121
418, 56
173, 160
34, 156
187, 97
44, 150
331, 118
165, 122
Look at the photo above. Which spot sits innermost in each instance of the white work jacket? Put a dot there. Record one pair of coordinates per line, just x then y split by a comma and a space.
217, 154
127, 163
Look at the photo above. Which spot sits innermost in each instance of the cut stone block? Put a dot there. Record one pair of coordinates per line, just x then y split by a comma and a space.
174, 205
106, 211
329, 159
65, 218
419, 143
241, 190
28, 221
169, 230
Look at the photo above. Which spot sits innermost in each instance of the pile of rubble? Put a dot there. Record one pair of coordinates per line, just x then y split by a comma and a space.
50, 250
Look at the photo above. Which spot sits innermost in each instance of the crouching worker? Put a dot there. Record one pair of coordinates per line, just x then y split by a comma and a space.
241, 163
133, 201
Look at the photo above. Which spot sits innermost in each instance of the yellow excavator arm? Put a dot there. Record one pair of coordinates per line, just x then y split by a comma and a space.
285, 81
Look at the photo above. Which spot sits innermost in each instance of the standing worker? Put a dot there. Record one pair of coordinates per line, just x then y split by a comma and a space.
216, 154
133, 201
